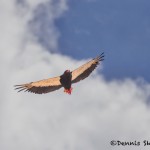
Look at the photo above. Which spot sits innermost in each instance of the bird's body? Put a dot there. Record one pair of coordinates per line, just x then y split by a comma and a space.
65, 80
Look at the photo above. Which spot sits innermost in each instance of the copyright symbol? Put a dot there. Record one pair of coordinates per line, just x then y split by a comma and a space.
113, 143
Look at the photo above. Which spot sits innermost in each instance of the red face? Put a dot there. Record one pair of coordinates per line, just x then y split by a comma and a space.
67, 71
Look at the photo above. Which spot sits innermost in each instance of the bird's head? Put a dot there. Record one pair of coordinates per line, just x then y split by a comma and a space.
67, 71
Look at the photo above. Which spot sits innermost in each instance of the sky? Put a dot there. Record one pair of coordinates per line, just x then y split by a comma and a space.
41, 39
119, 28
89, 27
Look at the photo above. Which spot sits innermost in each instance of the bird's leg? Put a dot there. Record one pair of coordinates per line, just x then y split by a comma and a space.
71, 89
68, 91
65, 90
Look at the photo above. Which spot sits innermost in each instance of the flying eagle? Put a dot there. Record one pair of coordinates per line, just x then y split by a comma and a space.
65, 80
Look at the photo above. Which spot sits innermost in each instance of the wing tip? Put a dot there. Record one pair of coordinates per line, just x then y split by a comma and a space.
21, 87
100, 57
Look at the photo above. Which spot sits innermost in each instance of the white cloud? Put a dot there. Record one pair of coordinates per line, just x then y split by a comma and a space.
97, 112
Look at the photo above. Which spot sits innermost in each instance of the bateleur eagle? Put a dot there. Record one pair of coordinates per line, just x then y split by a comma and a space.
65, 80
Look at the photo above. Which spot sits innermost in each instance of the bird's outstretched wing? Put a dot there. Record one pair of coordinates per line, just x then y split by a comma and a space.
86, 69
41, 87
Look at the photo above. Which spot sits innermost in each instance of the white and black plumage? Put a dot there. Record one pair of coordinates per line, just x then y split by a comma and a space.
65, 80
